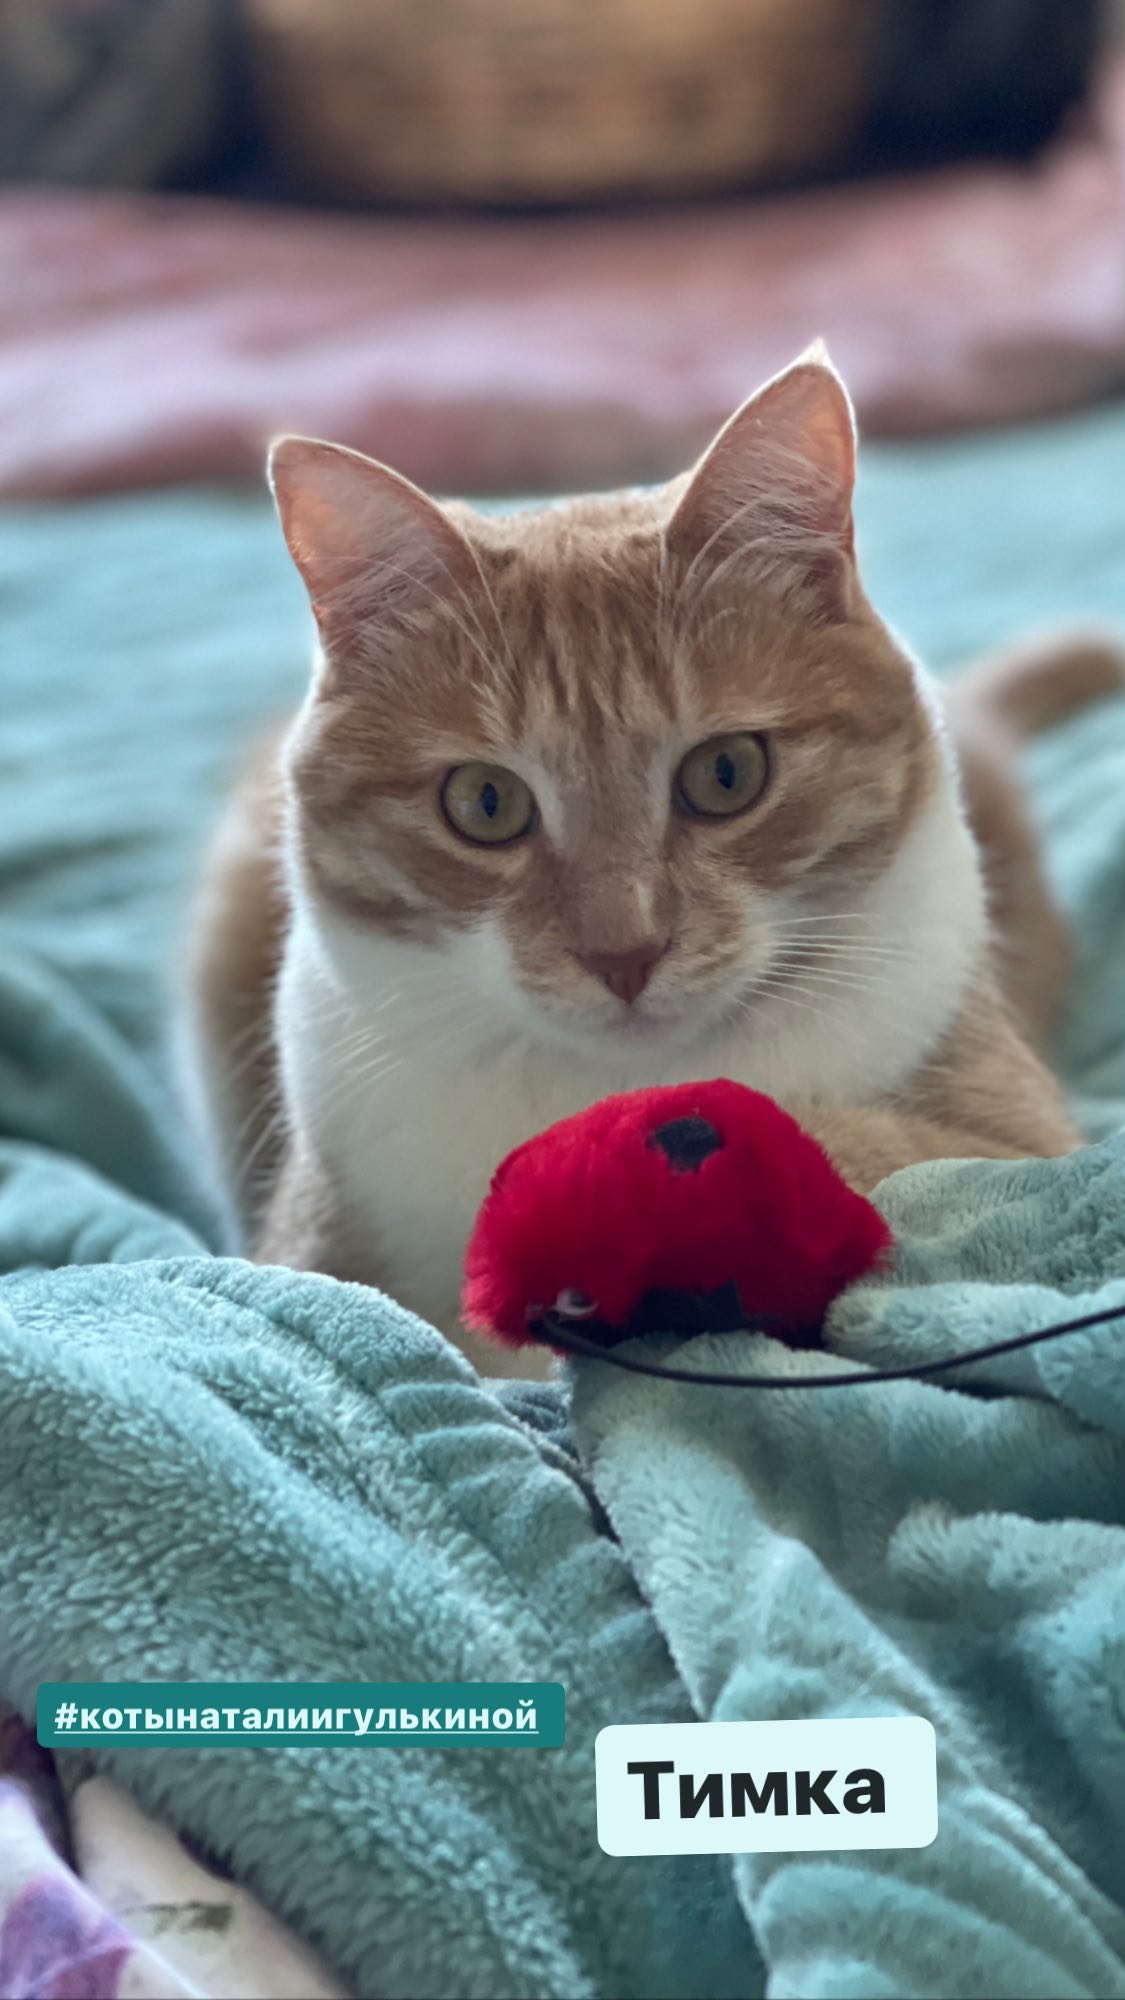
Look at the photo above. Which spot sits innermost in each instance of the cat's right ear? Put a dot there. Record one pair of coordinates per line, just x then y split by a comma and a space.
772, 496
370, 546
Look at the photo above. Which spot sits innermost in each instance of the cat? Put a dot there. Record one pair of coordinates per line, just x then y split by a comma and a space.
627, 789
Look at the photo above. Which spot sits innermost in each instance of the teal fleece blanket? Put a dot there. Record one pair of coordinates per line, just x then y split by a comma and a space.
209, 1471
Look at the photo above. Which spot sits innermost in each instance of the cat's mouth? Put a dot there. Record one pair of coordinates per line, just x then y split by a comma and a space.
680, 1019
657, 1022
641, 1023
668, 1017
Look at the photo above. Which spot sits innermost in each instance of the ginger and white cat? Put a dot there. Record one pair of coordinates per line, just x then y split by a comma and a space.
629, 789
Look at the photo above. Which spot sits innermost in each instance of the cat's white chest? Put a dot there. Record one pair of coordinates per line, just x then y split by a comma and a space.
410, 1131
417, 1154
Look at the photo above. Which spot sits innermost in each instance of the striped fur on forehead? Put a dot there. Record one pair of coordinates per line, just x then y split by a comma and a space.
574, 590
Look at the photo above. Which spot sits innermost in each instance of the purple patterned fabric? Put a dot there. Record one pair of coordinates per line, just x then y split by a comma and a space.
56, 1941
56, 1944
59, 1940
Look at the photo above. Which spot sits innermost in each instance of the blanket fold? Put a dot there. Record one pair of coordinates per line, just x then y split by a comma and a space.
294, 1478
956, 1552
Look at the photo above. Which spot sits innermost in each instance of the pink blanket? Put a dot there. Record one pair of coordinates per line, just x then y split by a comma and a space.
145, 340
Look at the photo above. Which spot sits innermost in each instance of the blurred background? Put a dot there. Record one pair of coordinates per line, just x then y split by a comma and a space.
526, 245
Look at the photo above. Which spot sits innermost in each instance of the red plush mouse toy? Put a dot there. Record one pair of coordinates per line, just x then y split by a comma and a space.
699, 1207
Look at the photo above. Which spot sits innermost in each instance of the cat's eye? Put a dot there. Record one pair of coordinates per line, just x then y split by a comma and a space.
488, 804
724, 775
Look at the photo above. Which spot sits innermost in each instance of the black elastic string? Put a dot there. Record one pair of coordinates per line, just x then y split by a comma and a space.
575, 1343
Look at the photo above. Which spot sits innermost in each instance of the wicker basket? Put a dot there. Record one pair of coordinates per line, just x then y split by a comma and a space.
556, 100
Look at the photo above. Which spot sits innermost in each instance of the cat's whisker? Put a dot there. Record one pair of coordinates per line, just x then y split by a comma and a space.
727, 526
822, 984
391, 568
829, 967
863, 972
833, 929
369, 1075
271, 1130
349, 1048
364, 1016
838, 934
426, 975
843, 945
775, 983
369, 1042
257, 1050
747, 1006
841, 941
250, 1030
248, 1124
828, 917
766, 552
501, 633
827, 982
853, 969
383, 1058
844, 949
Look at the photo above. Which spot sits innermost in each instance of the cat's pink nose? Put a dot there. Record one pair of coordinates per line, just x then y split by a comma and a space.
626, 973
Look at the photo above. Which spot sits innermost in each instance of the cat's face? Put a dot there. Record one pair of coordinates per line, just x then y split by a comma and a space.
635, 765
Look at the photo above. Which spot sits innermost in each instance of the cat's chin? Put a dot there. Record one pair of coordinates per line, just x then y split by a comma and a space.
643, 1033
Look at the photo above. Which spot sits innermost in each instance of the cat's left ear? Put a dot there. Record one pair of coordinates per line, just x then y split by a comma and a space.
771, 498
374, 551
